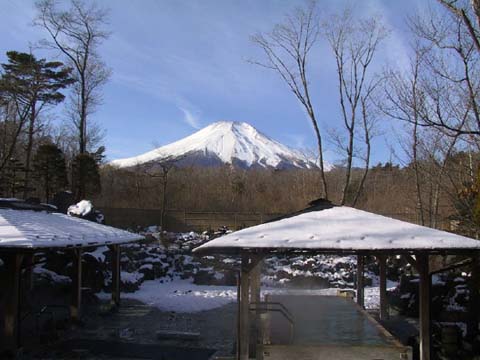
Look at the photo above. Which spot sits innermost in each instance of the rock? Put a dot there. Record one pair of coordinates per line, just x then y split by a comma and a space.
147, 271
93, 273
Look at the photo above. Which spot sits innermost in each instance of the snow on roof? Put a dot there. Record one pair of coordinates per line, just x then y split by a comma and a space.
29, 229
339, 229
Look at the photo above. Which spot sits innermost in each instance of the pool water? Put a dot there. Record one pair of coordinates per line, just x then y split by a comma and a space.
91, 348
324, 320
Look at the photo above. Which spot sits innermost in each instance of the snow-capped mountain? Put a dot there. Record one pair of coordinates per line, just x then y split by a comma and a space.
225, 142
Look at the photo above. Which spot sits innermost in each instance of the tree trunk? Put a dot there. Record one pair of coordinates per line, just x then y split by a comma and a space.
349, 165
164, 201
417, 174
320, 152
28, 155
367, 158
82, 126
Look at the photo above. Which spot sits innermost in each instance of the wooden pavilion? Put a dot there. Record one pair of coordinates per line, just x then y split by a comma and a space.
28, 228
324, 228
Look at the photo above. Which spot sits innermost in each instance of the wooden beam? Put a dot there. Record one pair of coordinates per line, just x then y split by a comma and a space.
13, 264
255, 297
115, 249
424, 304
382, 260
411, 261
76, 300
463, 263
244, 326
360, 285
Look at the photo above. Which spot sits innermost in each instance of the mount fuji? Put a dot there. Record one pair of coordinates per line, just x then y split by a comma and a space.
225, 142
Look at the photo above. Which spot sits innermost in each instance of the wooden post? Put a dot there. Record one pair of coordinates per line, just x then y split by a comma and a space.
76, 301
238, 315
266, 323
360, 290
115, 249
382, 260
244, 309
13, 263
474, 300
28, 273
255, 297
424, 303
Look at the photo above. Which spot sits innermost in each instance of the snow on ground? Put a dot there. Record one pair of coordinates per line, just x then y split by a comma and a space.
131, 277
372, 295
185, 297
181, 295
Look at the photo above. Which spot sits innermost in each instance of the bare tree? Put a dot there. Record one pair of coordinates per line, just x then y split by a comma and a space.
469, 14
368, 125
415, 96
354, 43
161, 170
287, 50
77, 33
404, 100
449, 75
437, 150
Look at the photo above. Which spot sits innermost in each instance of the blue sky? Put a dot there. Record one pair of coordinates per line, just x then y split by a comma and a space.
179, 65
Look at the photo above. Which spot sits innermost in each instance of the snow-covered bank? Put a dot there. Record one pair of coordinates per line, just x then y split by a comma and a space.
181, 295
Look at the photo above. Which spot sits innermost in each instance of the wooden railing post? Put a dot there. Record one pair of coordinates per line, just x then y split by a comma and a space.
255, 297
360, 287
382, 260
13, 264
424, 304
244, 328
76, 300
474, 300
115, 249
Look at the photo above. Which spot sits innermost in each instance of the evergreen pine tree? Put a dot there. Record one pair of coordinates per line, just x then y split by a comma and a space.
33, 84
12, 178
49, 170
85, 176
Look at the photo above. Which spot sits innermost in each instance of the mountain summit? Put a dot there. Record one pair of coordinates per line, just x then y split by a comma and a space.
225, 142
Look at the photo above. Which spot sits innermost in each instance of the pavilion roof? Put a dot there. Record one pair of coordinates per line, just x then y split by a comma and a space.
340, 229
30, 229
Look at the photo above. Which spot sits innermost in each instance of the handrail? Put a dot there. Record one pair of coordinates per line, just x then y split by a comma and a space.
265, 307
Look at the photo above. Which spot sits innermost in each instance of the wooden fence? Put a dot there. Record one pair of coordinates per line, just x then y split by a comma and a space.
183, 220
